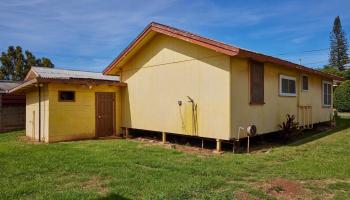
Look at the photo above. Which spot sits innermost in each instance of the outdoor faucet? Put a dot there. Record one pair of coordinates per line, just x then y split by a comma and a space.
190, 99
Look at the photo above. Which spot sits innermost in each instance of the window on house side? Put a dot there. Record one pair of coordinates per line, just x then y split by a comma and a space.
327, 93
287, 86
66, 96
256, 82
305, 83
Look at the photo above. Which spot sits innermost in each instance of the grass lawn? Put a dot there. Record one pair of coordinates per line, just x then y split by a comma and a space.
316, 167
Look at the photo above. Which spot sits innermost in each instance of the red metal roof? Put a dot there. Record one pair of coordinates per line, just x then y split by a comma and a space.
214, 45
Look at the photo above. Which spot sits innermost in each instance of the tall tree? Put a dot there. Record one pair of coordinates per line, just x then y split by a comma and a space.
338, 56
15, 64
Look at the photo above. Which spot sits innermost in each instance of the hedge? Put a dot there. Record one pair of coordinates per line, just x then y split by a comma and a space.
342, 97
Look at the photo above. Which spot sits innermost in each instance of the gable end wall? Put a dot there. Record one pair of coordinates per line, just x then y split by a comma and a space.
167, 70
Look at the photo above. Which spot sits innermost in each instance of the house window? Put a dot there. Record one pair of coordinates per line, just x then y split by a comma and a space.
66, 96
287, 86
256, 82
305, 83
327, 93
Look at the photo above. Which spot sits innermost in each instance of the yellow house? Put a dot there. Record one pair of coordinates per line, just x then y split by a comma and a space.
68, 105
172, 81
182, 83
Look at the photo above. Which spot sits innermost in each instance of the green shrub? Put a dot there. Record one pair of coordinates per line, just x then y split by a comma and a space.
289, 128
342, 97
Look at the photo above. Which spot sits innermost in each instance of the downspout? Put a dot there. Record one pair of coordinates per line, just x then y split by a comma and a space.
39, 93
121, 93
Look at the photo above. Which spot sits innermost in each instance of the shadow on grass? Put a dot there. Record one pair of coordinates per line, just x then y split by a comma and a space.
264, 142
312, 135
113, 196
260, 143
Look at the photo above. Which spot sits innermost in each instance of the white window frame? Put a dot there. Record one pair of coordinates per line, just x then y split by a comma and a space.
288, 78
302, 83
323, 84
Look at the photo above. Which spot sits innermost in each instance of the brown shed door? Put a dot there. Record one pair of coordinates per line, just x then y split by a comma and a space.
105, 112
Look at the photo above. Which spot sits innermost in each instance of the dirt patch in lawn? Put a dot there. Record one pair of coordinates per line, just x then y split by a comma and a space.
184, 148
95, 183
308, 189
284, 189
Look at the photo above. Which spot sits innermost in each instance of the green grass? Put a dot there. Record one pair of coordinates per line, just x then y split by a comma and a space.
122, 169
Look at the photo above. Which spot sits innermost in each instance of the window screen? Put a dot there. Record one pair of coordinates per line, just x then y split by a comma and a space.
256, 82
327, 93
287, 86
305, 83
66, 96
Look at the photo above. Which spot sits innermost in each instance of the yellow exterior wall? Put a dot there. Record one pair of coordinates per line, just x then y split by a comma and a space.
167, 70
32, 113
313, 97
267, 117
76, 120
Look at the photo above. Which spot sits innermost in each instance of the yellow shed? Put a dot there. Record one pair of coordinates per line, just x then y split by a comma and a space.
69, 105
182, 83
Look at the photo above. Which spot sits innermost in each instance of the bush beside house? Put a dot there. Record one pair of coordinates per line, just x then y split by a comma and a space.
342, 97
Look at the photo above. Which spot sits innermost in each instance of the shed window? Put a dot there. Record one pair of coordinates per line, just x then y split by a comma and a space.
327, 93
287, 86
305, 82
66, 96
256, 82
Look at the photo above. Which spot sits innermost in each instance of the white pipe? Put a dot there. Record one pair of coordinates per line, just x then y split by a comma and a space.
239, 131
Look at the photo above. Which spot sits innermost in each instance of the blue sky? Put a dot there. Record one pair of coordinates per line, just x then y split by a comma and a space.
89, 34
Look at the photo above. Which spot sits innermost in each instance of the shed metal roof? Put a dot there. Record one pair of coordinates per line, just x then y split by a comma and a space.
54, 73
7, 85
37, 75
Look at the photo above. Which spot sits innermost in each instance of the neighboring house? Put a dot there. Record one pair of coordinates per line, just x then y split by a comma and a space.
68, 105
174, 81
231, 87
12, 107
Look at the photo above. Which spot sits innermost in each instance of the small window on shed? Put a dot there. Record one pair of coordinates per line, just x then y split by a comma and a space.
305, 83
66, 96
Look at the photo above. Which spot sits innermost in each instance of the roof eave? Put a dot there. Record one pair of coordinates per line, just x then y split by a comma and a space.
82, 81
265, 58
211, 44
39, 80
127, 49
23, 86
176, 33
